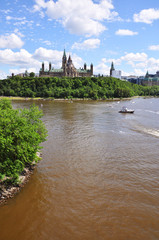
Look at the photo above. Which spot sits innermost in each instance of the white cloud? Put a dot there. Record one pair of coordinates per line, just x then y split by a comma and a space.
69, 14
139, 72
138, 63
39, 4
135, 57
102, 68
16, 31
154, 47
77, 61
83, 26
19, 21
3, 75
135, 72
87, 44
6, 11
24, 22
11, 41
48, 43
55, 57
125, 32
42, 15
22, 70
9, 18
48, 55
147, 15
25, 60
21, 58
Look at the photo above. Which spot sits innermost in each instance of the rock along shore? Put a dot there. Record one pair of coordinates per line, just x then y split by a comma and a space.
9, 191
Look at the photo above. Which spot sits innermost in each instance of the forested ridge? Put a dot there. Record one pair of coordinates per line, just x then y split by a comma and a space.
84, 87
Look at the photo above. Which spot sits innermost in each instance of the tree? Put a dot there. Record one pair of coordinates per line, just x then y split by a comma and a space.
21, 132
32, 75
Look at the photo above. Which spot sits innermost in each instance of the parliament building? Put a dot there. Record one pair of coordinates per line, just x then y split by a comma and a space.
67, 69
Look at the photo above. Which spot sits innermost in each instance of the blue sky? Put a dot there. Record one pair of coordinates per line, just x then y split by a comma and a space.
92, 31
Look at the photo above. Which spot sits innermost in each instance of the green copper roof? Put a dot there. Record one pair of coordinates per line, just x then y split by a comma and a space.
57, 70
64, 53
152, 79
82, 70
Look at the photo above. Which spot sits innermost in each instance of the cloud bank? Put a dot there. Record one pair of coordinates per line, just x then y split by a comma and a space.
147, 15
82, 17
154, 47
125, 32
87, 44
11, 41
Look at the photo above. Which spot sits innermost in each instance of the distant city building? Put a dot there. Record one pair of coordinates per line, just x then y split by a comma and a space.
151, 79
115, 73
19, 74
67, 70
22, 75
135, 79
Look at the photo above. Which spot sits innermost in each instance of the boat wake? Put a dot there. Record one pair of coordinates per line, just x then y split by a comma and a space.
150, 131
152, 111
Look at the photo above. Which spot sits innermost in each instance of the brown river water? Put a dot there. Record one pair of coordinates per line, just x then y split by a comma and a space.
98, 178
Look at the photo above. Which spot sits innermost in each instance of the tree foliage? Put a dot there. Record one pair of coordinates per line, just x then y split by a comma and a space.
83, 87
21, 132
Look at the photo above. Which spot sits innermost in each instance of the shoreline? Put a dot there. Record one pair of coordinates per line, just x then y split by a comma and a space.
9, 191
71, 99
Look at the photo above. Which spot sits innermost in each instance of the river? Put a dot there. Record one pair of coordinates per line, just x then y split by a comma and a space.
98, 178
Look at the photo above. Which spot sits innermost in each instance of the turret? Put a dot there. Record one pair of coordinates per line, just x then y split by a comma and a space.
147, 75
43, 67
69, 60
85, 66
49, 66
91, 69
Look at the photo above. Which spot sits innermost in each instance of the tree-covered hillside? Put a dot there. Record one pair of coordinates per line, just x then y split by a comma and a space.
94, 88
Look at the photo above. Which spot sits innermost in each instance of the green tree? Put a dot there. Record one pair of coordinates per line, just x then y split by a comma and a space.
21, 132
32, 75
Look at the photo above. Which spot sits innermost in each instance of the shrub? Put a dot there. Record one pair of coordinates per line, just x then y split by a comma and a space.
21, 132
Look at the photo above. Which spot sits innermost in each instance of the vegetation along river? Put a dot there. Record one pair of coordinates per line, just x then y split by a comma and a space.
99, 176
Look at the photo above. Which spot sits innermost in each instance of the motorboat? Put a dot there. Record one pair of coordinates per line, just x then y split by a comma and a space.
126, 110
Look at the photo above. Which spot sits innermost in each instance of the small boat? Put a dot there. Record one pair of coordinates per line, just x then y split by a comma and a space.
126, 110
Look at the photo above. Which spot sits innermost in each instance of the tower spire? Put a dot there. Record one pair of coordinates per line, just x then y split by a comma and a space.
147, 74
112, 66
64, 53
64, 60
112, 69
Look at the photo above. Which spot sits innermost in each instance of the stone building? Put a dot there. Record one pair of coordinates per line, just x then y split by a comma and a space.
151, 79
67, 70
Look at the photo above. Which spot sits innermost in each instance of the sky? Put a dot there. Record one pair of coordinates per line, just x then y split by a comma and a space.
91, 31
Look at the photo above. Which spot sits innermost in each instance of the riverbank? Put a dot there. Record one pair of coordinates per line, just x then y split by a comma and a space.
67, 99
9, 191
